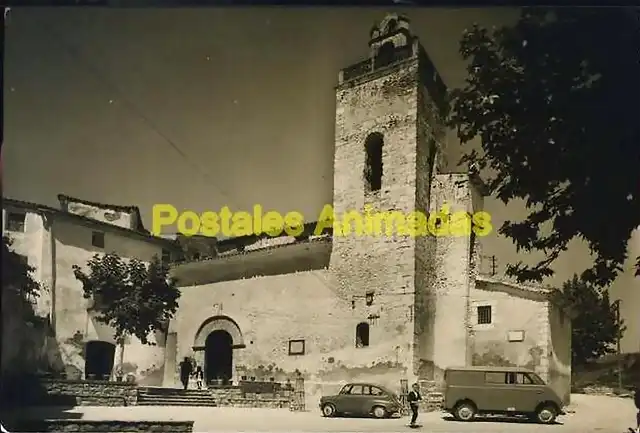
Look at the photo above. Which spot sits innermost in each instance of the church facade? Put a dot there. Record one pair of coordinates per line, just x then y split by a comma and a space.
375, 308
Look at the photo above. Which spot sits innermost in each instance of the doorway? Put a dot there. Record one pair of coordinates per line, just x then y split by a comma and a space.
98, 360
218, 356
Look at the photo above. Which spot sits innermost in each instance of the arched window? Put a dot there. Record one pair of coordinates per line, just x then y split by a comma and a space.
385, 55
373, 162
362, 334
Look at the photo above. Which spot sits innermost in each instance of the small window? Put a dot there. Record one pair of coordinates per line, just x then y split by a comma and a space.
362, 334
484, 315
15, 221
369, 299
491, 377
296, 347
97, 239
356, 390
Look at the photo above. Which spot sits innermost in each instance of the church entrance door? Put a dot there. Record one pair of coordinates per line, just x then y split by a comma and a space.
218, 356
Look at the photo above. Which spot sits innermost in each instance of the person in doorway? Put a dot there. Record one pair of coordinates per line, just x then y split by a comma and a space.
413, 398
186, 368
199, 377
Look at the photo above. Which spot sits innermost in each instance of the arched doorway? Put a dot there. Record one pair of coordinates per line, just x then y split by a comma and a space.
98, 360
218, 356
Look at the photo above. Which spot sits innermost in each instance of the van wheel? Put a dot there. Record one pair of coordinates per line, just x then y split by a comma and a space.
379, 412
328, 410
464, 411
546, 414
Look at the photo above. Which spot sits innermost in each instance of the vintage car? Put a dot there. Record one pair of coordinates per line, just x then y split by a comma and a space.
361, 399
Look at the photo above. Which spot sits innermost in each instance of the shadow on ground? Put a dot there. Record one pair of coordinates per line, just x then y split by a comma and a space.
505, 420
20, 392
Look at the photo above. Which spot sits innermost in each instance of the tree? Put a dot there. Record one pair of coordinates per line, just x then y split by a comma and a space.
595, 328
554, 101
17, 275
132, 298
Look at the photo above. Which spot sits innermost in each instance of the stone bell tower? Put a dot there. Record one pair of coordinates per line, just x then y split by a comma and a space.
388, 131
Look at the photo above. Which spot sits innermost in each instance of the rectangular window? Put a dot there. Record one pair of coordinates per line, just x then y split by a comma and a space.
484, 315
15, 221
97, 239
495, 378
296, 347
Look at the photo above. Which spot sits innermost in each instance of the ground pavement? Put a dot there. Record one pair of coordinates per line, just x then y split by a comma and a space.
590, 414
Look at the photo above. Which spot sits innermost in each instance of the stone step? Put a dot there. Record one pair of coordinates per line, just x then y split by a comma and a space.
177, 402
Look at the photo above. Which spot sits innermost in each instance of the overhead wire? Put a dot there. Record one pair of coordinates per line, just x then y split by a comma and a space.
79, 56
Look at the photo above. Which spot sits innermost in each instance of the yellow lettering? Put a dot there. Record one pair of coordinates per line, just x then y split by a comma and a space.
294, 223
325, 220
209, 225
272, 223
460, 224
368, 220
416, 224
242, 224
439, 222
193, 218
162, 215
257, 220
389, 218
348, 218
225, 217
482, 223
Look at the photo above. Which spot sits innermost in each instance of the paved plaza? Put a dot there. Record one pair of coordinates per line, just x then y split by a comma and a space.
590, 414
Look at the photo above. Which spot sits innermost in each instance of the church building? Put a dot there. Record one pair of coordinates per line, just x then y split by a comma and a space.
330, 308
374, 308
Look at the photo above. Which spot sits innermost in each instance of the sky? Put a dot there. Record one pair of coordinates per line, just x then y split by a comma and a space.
208, 107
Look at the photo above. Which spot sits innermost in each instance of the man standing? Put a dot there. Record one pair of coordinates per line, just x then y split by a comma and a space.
413, 398
186, 368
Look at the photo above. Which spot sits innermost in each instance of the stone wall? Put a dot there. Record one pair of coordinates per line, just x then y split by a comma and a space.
77, 425
272, 310
73, 324
559, 346
91, 393
512, 311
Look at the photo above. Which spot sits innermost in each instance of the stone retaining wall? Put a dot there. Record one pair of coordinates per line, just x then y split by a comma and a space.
71, 425
92, 392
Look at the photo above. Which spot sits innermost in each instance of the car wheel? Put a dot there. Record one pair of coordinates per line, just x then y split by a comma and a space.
379, 412
464, 411
546, 414
328, 410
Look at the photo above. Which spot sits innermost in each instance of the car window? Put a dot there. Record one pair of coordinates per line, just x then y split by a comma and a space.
495, 377
523, 379
376, 391
345, 389
356, 389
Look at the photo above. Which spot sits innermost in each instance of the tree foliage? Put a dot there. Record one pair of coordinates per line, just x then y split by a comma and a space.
132, 298
595, 327
554, 101
17, 275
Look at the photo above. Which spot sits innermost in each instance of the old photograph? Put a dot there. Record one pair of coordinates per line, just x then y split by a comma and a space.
320, 219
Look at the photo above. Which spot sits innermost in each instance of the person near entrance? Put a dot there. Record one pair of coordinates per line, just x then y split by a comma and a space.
199, 377
414, 397
186, 368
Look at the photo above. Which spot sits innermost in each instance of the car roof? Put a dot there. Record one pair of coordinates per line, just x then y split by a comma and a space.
367, 384
492, 369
